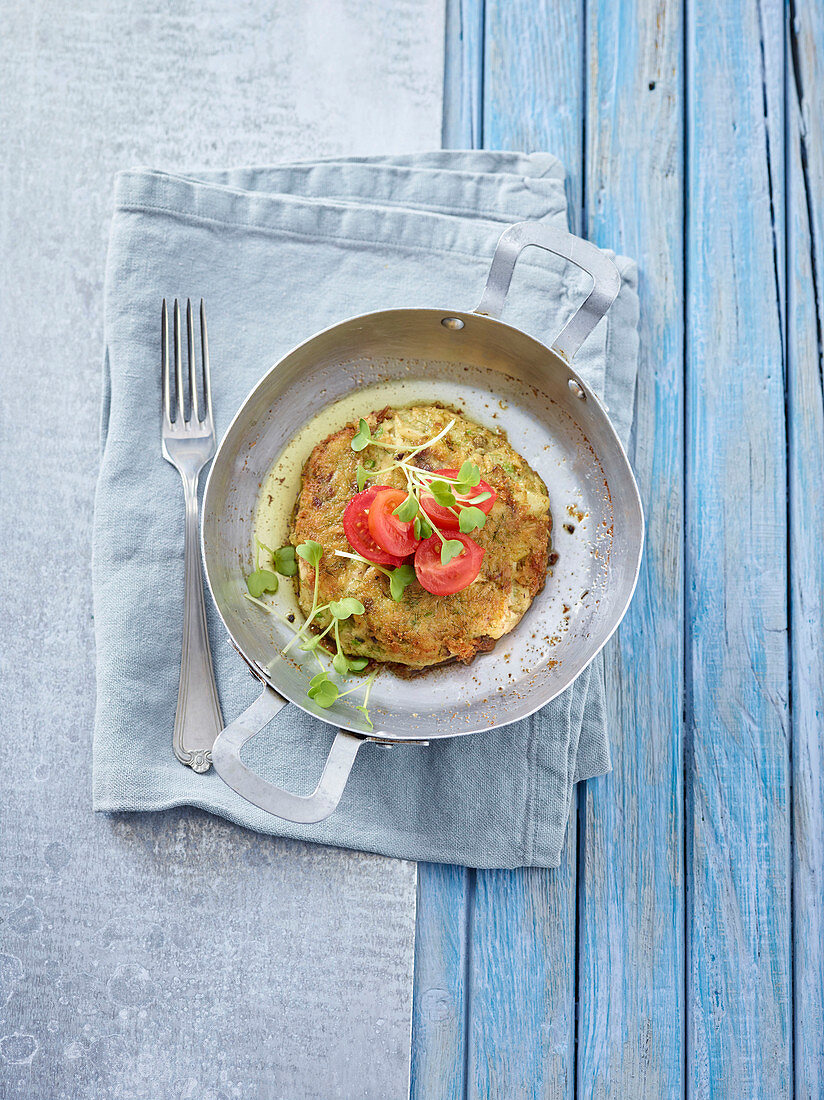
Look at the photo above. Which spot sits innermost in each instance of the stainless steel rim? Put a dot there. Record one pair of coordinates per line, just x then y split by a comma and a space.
424, 332
385, 734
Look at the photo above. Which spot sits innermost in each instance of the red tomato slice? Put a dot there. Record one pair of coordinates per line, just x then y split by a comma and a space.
356, 527
443, 580
395, 536
441, 516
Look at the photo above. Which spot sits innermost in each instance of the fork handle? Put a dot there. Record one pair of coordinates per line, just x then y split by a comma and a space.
197, 720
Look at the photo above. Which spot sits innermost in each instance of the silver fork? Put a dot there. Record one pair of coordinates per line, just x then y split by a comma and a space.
188, 442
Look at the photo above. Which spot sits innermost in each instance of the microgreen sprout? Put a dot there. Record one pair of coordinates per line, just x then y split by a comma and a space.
443, 494
340, 662
470, 519
399, 578
322, 689
344, 609
364, 707
362, 437
447, 492
469, 476
365, 437
264, 578
450, 549
399, 581
311, 552
422, 527
408, 509
258, 603
284, 561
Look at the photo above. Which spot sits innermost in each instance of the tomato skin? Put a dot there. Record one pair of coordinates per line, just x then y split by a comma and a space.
444, 580
356, 528
441, 516
395, 536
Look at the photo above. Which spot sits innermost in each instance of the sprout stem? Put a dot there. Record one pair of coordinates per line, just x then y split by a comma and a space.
359, 557
253, 599
429, 442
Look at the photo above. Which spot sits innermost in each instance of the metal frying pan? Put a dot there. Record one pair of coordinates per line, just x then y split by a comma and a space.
551, 417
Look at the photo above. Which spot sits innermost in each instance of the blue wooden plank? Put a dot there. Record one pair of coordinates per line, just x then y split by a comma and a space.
737, 767
438, 1017
631, 893
521, 1019
805, 405
522, 984
439, 1009
463, 74
533, 86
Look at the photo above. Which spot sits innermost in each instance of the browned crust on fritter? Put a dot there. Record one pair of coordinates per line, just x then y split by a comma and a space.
424, 631
406, 672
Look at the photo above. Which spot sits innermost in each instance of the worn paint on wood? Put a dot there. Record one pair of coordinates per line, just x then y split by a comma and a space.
496, 952
631, 894
521, 1023
463, 74
533, 83
737, 818
522, 984
684, 988
441, 997
805, 407
440, 1005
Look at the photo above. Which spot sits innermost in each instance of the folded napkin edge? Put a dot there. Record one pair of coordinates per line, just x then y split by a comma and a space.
134, 192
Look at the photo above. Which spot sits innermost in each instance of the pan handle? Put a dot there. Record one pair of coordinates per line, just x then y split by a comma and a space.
305, 809
606, 278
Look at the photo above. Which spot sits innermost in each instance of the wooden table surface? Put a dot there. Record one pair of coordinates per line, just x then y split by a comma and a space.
679, 950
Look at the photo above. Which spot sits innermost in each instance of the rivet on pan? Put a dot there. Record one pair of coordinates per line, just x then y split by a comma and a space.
454, 324
576, 389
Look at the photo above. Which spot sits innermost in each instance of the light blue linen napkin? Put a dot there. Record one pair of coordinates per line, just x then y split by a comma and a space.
279, 253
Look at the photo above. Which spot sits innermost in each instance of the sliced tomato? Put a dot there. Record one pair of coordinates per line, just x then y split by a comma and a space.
443, 580
441, 516
356, 527
394, 535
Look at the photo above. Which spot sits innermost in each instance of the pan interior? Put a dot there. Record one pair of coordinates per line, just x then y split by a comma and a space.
502, 379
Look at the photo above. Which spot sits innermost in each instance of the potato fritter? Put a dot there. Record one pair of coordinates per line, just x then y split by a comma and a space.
423, 630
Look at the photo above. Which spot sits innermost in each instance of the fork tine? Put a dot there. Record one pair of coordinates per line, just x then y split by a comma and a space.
193, 397
164, 364
180, 408
204, 345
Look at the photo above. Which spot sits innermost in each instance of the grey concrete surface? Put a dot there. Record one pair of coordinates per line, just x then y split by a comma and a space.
168, 955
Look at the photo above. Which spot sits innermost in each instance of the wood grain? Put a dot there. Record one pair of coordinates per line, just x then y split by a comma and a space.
631, 891
533, 85
521, 1022
522, 983
711, 1013
805, 407
737, 769
441, 997
463, 74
